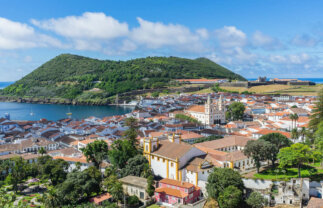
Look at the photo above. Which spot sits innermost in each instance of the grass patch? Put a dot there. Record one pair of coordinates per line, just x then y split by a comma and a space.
288, 173
153, 206
281, 89
203, 91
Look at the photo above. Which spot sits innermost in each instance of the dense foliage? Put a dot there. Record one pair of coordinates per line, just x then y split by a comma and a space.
235, 111
71, 76
317, 113
96, 152
256, 200
220, 179
184, 117
297, 155
205, 139
278, 141
259, 150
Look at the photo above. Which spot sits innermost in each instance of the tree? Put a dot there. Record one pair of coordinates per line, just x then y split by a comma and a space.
150, 186
131, 122
6, 199
121, 151
230, 197
235, 111
78, 186
317, 113
259, 150
256, 200
136, 166
220, 179
5, 166
279, 141
114, 187
295, 155
55, 170
51, 199
96, 152
42, 151
155, 94
294, 118
303, 133
184, 117
94, 173
131, 133
318, 142
295, 134
17, 172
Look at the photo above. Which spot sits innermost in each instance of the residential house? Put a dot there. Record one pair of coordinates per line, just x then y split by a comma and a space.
135, 186
172, 192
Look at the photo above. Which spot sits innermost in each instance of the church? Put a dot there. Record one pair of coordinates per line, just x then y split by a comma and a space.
209, 113
171, 158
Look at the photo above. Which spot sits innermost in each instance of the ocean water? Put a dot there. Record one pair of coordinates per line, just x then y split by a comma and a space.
27, 111
5, 84
316, 80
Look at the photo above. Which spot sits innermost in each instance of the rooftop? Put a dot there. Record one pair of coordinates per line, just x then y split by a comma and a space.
134, 180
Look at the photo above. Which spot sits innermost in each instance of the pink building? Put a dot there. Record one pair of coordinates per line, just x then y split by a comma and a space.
172, 191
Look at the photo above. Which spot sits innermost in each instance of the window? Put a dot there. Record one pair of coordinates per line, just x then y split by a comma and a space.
171, 164
152, 157
142, 195
179, 200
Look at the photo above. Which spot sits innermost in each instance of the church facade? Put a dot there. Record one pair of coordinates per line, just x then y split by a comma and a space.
209, 113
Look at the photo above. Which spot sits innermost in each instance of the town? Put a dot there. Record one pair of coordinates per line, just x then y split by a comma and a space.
176, 150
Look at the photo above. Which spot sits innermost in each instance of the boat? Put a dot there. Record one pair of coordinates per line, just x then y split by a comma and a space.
69, 113
31, 112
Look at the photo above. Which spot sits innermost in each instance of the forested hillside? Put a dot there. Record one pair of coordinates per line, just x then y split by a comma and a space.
72, 76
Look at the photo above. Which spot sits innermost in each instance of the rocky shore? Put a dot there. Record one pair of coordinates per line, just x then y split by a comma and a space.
53, 101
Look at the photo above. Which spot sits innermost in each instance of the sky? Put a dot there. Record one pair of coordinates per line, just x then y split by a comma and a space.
253, 38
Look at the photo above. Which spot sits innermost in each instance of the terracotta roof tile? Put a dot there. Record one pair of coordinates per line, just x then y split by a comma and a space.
172, 182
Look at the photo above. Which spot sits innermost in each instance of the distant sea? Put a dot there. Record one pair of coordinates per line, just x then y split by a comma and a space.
316, 80
5, 84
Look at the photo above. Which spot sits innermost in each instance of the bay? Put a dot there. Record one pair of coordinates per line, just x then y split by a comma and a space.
5, 84
53, 112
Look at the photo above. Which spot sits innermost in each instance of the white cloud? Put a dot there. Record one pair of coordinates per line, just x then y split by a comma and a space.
265, 41
304, 41
237, 56
88, 26
203, 33
155, 35
230, 36
15, 35
302, 58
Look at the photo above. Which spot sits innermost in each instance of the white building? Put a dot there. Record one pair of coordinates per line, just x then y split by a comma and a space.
210, 113
177, 160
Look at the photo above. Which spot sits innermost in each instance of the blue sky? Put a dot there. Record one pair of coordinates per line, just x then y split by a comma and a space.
251, 37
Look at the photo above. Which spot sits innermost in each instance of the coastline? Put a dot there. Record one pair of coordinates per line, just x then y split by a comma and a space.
61, 101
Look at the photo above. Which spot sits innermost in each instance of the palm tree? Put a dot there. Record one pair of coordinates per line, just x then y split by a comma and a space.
302, 133
293, 117
295, 134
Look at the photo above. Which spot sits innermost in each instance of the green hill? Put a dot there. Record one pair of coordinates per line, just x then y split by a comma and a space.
73, 77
